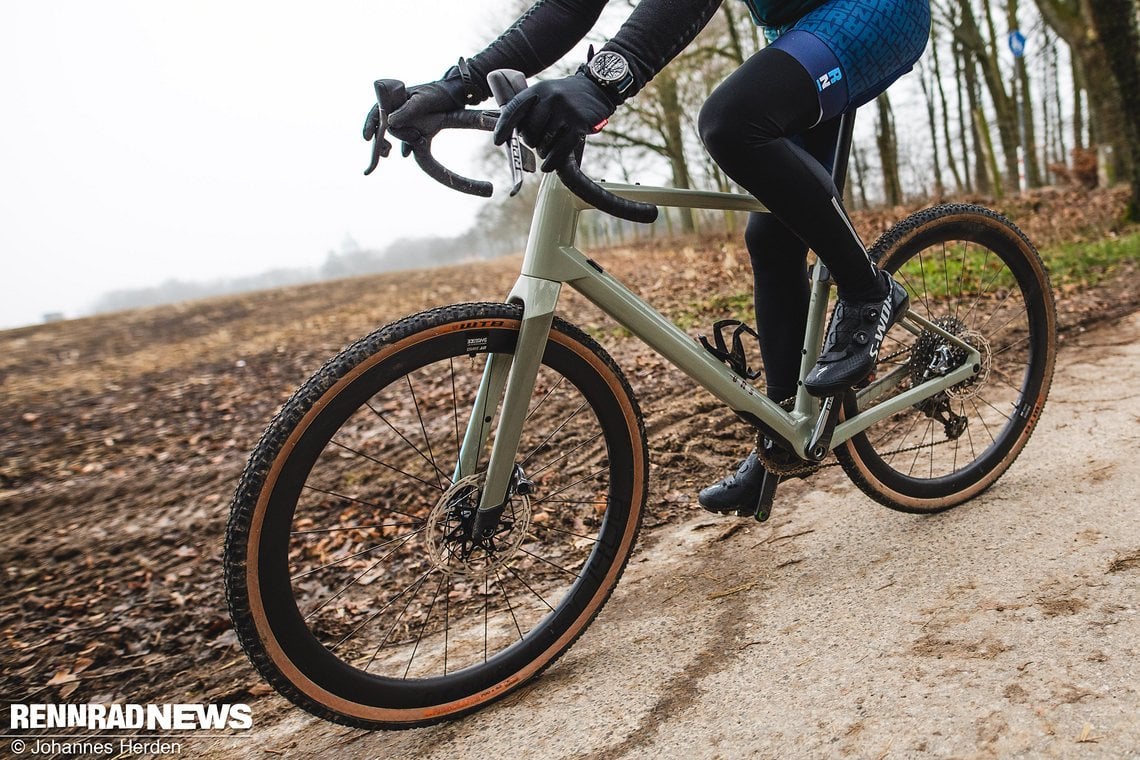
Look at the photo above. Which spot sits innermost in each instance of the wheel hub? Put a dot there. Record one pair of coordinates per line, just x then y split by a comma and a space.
451, 544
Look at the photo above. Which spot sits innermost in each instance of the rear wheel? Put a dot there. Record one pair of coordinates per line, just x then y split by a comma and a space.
975, 275
351, 577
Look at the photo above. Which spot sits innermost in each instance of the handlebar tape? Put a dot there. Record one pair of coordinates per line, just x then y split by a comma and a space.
505, 84
597, 196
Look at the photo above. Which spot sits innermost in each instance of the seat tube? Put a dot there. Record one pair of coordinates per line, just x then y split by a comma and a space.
813, 334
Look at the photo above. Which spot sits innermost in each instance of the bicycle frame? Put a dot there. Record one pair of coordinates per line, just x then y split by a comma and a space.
551, 261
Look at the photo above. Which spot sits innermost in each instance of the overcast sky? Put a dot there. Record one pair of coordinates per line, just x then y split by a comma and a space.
143, 141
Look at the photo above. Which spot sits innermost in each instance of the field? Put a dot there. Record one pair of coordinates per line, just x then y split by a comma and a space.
122, 437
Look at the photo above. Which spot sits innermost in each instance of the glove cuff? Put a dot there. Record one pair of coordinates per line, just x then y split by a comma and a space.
610, 96
460, 85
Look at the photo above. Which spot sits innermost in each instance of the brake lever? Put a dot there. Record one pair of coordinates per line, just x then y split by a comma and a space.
506, 84
390, 95
380, 149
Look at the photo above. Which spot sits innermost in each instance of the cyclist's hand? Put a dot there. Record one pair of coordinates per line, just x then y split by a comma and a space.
554, 116
424, 110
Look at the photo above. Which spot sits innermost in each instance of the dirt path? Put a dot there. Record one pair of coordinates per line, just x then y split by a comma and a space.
1007, 627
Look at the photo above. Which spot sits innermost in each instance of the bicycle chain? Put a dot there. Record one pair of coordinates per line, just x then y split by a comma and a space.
803, 469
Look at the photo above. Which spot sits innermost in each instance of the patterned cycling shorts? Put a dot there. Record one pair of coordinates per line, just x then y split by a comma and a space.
855, 49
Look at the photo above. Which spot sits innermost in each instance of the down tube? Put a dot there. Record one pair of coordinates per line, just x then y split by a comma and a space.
665, 338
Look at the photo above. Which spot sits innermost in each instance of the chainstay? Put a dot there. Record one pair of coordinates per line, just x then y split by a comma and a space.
783, 470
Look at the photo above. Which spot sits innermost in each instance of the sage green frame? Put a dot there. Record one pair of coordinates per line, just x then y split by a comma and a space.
552, 261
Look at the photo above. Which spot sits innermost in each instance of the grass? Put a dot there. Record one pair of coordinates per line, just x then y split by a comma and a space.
1070, 266
972, 269
1089, 263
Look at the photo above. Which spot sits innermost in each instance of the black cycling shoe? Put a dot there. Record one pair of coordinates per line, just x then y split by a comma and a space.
854, 336
740, 492
736, 492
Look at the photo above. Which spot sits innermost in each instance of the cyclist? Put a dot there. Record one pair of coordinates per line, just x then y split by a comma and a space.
771, 126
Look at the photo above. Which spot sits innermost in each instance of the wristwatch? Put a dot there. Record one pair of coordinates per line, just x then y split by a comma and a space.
611, 72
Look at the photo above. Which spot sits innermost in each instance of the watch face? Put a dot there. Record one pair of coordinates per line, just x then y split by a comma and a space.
609, 67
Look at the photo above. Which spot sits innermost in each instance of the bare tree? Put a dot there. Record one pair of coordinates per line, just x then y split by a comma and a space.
1115, 23
1072, 21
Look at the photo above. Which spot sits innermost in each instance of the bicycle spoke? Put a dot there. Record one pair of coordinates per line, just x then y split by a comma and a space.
346, 559
358, 501
549, 393
416, 590
583, 502
351, 527
556, 566
503, 588
571, 485
454, 407
427, 617
961, 279
1010, 346
918, 449
369, 619
991, 406
352, 582
430, 460
980, 418
385, 464
569, 453
423, 428
553, 433
519, 578
544, 526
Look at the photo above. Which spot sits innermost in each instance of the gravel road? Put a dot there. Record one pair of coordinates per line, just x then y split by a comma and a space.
1007, 627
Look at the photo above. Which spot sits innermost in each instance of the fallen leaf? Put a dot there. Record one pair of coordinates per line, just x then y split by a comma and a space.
62, 677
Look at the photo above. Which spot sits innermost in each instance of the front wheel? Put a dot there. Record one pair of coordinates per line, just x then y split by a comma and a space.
350, 581
975, 275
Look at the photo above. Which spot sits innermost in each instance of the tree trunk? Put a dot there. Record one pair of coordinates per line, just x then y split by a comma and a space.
888, 152
1004, 107
965, 127
1025, 105
946, 119
1078, 108
1072, 21
1116, 27
671, 129
860, 165
981, 163
735, 48
932, 120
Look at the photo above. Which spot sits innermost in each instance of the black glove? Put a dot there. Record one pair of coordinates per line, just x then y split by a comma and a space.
554, 116
423, 111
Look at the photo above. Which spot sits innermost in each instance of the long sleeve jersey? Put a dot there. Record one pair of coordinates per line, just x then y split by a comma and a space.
654, 34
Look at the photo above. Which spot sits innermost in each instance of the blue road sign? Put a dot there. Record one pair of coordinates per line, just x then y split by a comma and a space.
1017, 43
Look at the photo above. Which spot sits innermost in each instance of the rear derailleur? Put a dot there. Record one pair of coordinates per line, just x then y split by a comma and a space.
938, 408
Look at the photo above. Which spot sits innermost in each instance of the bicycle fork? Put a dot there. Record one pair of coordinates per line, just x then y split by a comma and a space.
509, 378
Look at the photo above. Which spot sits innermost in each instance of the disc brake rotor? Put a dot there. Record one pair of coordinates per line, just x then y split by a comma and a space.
449, 542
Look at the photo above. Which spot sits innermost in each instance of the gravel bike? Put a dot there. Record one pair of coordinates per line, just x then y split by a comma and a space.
441, 510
